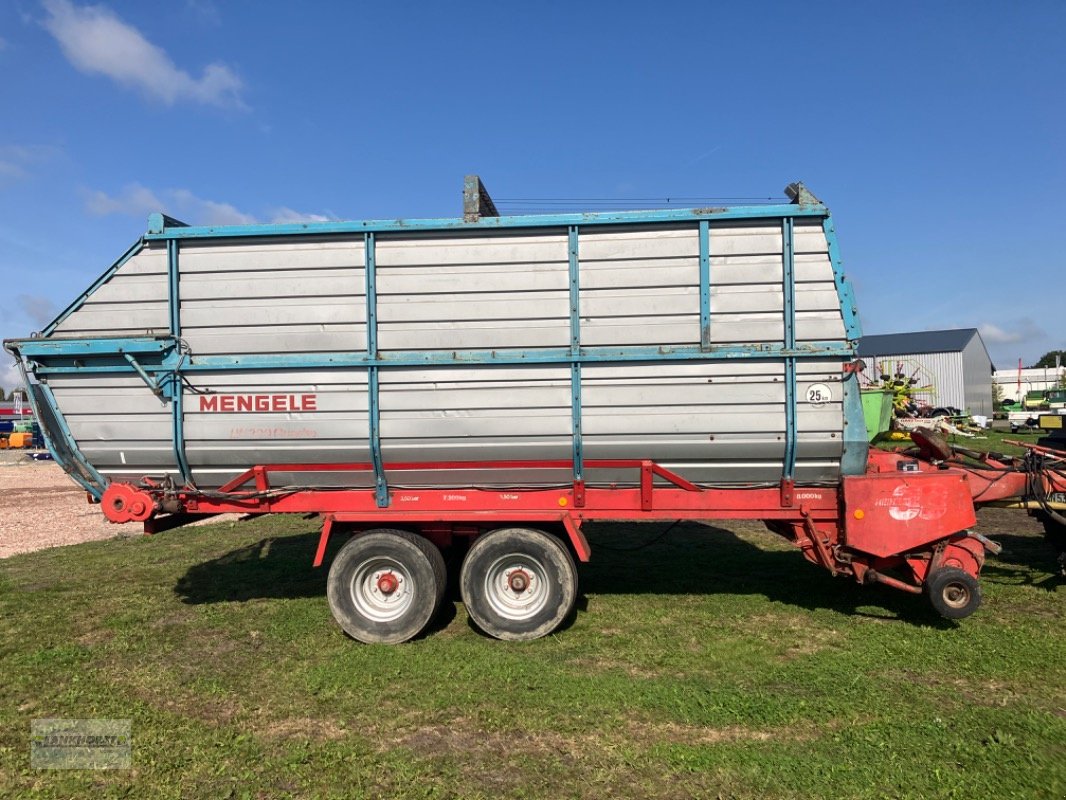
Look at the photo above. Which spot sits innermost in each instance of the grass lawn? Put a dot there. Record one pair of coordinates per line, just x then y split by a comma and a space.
989, 440
710, 664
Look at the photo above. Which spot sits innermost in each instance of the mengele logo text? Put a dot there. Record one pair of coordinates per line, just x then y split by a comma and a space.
253, 403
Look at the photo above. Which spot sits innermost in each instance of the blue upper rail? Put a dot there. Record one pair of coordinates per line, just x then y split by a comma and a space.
162, 227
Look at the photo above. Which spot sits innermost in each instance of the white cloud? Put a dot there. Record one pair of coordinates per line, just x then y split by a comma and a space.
96, 41
1022, 330
16, 160
138, 201
284, 214
204, 10
207, 212
134, 200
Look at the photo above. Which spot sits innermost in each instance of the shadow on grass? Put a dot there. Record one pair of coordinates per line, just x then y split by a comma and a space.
704, 559
1026, 561
278, 566
691, 559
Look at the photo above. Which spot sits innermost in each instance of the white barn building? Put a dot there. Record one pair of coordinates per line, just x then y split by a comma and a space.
955, 363
1016, 383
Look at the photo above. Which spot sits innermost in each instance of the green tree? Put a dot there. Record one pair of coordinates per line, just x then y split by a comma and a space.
1048, 359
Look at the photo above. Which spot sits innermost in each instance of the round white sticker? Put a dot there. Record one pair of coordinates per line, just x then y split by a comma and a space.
819, 393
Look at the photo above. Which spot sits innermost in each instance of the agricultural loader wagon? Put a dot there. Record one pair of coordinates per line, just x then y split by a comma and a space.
485, 386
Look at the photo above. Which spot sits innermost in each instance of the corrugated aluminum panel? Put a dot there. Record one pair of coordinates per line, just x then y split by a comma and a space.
463, 291
133, 302
714, 422
262, 296
977, 378
747, 295
119, 425
220, 445
640, 287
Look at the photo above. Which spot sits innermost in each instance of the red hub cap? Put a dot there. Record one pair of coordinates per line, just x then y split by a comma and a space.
388, 583
518, 581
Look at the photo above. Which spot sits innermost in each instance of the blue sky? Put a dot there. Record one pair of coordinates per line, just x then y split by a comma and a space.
934, 131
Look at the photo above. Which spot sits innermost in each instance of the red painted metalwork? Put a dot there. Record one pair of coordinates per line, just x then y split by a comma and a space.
388, 583
124, 503
906, 516
892, 513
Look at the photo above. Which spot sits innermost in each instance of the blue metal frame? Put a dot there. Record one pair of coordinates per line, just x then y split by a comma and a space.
578, 446
373, 379
96, 491
131, 251
575, 289
789, 306
176, 391
705, 284
96, 346
575, 350
845, 292
856, 443
70, 469
490, 223
54, 361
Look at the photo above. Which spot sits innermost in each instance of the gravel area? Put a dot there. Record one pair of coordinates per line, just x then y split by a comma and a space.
41, 507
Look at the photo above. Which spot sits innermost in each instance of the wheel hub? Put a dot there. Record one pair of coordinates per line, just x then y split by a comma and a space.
388, 583
519, 581
956, 595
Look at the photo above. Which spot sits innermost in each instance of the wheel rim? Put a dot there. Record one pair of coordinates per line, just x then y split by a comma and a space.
956, 594
516, 586
382, 589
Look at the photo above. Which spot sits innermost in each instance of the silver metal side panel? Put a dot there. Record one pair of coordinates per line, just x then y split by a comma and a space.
265, 296
119, 425
473, 291
640, 286
133, 302
712, 422
220, 445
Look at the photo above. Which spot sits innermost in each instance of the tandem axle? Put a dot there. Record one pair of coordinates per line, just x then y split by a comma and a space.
906, 523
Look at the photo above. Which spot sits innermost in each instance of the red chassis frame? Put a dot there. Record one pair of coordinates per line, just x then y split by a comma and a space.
905, 516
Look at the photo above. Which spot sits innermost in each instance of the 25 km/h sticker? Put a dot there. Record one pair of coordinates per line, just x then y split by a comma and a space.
818, 394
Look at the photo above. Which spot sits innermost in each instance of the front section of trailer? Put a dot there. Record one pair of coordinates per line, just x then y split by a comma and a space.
487, 383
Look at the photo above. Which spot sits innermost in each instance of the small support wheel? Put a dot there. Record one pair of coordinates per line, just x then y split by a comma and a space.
518, 583
954, 593
385, 586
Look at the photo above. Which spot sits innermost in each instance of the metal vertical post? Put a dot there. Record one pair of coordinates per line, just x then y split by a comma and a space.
177, 391
373, 385
789, 312
705, 285
575, 352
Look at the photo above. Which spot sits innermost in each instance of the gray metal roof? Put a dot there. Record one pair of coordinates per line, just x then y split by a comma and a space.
950, 341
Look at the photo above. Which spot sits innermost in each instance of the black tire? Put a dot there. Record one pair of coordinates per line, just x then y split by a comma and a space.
396, 612
954, 594
518, 583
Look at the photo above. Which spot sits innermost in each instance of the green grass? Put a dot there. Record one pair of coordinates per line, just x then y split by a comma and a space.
711, 664
989, 440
